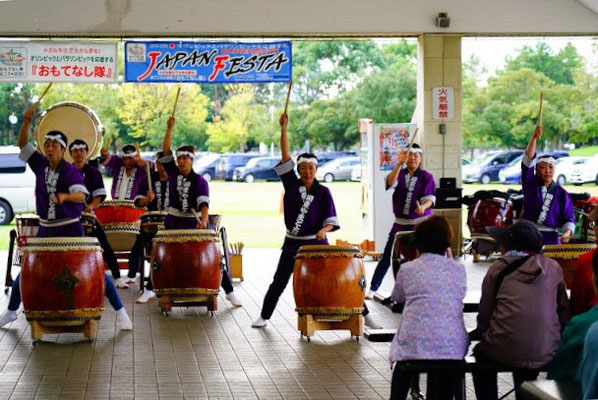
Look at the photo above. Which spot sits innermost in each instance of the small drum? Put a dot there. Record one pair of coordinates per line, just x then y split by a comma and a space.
329, 281
27, 227
403, 248
186, 264
566, 255
76, 121
89, 221
152, 221
62, 280
121, 221
489, 212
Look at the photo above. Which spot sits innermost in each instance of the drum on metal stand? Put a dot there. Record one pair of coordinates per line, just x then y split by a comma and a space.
329, 285
486, 212
62, 285
185, 267
566, 255
121, 221
27, 227
89, 221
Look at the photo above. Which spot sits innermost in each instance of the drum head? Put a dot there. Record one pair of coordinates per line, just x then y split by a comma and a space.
76, 121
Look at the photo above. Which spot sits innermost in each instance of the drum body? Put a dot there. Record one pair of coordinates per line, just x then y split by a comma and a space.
62, 280
121, 222
27, 227
153, 221
587, 226
489, 212
89, 221
403, 247
566, 255
76, 121
329, 281
186, 264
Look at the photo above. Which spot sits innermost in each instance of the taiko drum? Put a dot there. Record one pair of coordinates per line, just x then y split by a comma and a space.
489, 212
185, 264
121, 222
566, 255
329, 281
62, 280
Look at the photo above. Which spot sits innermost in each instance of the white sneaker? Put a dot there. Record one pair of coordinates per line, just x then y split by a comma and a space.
8, 317
130, 280
123, 320
120, 283
148, 294
234, 299
259, 323
371, 323
370, 294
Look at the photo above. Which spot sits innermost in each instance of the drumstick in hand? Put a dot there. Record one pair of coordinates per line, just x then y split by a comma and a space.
412, 140
196, 216
43, 94
176, 100
286, 104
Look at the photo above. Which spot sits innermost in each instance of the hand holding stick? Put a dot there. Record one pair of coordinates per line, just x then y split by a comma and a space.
286, 104
176, 100
199, 224
412, 140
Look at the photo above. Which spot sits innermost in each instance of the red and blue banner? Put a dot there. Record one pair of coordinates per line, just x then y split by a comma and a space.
205, 62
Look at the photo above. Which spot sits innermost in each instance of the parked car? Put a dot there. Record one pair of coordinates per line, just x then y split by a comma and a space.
206, 166
356, 172
465, 161
511, 174
337, 170
326, 157
485, 168
228, 162
585, 171
17, 185
257, 168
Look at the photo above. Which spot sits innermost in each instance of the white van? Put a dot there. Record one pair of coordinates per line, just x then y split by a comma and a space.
17, 185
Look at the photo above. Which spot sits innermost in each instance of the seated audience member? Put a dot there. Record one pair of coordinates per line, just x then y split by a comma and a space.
588, 370
565, 364
432, 287
583, 296
523, 309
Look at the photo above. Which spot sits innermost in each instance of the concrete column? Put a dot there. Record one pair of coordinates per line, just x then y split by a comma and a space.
439, 64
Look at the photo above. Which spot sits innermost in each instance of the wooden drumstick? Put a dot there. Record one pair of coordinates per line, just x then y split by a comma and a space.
196, 216
176, 100
149, 178
43, 94
138, 149
540, 111
108, 141
412, 140
286, 104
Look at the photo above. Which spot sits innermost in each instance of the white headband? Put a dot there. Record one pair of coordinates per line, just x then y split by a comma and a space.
180, 153
547, 159
415, 150
78, 146
130, 153
311, 160
57, 138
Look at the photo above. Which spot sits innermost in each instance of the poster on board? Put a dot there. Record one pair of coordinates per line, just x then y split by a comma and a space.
393, 139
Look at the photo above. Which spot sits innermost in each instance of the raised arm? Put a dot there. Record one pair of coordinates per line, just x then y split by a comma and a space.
530, 150
166, 142
24, 132
284, 139
104, 152
392, 177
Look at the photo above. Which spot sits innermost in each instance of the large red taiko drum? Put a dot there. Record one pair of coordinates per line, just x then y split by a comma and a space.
186, 264
489, 212
121, 222
567, 255
329, 281
62, 280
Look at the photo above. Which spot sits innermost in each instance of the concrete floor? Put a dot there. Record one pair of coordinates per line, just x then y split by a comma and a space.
193, 355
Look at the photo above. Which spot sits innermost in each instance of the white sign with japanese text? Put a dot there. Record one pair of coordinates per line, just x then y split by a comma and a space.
443, 105
49, 61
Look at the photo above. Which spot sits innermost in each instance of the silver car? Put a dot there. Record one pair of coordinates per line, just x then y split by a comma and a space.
337, 170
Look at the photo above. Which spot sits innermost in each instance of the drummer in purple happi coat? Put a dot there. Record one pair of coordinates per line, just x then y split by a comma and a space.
309, 214
60, 193
188, 196
128, 172
412, 201
545, 203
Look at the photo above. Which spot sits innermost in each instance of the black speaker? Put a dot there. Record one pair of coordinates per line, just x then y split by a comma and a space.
448, 197
448, 183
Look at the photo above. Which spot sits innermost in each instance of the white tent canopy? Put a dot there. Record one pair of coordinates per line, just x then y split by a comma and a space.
293, 18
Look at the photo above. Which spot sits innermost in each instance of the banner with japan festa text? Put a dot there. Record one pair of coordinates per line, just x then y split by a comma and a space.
49, 61
208, 62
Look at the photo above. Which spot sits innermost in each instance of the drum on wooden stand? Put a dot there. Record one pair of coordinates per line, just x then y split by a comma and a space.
329, 285
121, 222
152, 222
566, 255
62, 285
185, 268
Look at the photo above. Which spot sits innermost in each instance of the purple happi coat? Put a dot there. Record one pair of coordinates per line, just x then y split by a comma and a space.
407, 190
550, 208
161, 193
117, 168
93, 182
305, 213
59, 220
185, 194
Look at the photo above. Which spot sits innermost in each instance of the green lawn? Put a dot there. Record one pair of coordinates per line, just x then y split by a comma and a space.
585, 151
251, 212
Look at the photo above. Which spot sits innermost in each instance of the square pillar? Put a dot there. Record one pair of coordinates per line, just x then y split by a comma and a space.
439, 65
